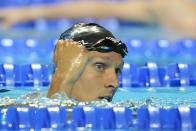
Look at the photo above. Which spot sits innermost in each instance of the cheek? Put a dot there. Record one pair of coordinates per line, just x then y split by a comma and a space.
91, 77
88, 86
91, 81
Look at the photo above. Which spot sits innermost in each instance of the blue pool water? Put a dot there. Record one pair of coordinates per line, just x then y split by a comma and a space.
139, 109
157, 96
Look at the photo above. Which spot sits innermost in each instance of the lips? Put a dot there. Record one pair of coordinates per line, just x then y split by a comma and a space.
108, 98
107, 94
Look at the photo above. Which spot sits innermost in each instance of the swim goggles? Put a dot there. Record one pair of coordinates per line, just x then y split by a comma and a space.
107, 44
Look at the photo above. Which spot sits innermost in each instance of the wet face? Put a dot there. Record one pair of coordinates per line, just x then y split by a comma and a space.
100, 77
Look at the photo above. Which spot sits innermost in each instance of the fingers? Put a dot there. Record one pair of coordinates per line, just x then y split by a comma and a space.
66, 47
70, 59
70, 42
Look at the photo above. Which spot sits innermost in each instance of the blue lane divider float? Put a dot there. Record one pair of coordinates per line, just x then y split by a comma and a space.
25, 75
149, 75
9, 119
186, 47
55, 117
170, 118
142, 118
193, 116
173, 75
144, 77
152, 75
18, 51
129, 76
39, 118
78, 118
162, 48
2, 76
104, 118
181, 74
123, 117
140, 51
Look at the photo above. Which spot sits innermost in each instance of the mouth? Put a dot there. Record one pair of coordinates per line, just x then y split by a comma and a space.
108, 98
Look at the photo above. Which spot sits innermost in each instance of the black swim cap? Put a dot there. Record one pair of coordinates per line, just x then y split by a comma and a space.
91, 35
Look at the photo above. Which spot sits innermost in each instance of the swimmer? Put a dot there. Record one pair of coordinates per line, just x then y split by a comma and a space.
88, 60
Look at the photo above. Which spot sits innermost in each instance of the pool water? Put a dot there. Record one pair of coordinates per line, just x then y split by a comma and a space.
159, 96
156, 96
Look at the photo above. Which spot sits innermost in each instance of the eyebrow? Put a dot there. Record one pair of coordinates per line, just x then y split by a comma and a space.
106, 59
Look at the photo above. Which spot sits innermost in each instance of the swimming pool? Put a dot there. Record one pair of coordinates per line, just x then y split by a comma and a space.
154, 103
148, 102
139, 109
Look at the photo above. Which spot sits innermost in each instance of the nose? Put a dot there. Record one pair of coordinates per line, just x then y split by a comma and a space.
111, 79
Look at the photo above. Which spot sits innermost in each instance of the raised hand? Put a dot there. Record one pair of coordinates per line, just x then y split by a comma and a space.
70, 59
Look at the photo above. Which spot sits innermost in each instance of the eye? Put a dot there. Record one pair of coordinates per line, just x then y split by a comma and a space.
100, 67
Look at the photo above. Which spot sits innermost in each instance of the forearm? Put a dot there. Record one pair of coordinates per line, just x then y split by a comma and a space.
122, 10
70, 60
59, 84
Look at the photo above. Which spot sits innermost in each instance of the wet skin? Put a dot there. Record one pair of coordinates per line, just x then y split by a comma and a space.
100, 77
94, 76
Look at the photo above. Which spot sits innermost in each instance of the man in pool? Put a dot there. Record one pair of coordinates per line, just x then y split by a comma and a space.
88, 60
